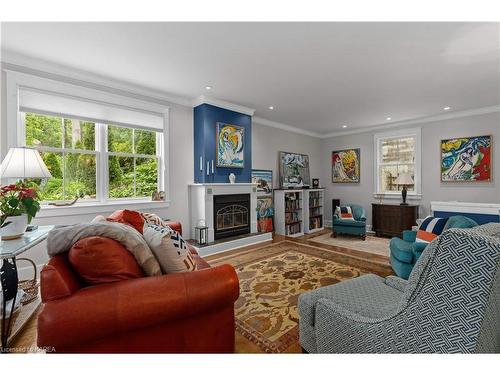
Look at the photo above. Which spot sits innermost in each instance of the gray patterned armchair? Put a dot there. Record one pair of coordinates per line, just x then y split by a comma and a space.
450, 303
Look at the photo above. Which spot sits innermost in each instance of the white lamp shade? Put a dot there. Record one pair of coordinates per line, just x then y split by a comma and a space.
23, 162
404, 179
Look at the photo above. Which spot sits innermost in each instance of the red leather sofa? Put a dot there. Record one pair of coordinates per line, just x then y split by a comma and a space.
190, 312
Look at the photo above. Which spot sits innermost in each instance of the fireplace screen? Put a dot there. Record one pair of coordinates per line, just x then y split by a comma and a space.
232, 217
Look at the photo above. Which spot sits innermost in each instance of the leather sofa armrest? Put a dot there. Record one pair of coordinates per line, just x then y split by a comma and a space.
418, 248
409, 235
110, 309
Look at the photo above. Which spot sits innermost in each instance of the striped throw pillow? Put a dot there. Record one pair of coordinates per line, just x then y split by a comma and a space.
345, 212
430, 228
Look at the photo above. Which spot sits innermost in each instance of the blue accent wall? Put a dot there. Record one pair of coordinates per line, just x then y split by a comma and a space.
206, 117
478, 218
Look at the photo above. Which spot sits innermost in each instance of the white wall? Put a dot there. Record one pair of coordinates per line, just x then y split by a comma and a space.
432, 187
267, 142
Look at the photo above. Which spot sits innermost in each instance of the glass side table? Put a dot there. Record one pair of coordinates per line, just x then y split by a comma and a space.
9, 250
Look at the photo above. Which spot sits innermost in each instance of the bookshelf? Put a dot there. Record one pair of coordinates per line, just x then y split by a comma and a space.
314, 210
289, 212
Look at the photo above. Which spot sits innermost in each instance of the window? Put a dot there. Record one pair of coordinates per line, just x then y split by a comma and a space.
94, 161
397, 153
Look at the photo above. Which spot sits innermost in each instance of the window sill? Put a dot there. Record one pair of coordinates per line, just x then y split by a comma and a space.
98, 207
415, 197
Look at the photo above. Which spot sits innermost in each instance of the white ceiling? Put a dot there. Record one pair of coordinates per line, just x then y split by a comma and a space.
318, 76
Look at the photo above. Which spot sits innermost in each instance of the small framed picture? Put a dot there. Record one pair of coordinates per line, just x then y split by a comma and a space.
315, 183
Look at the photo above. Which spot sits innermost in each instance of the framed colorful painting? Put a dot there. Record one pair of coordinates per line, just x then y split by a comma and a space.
346, 166
294, 170
264, 179
466, 159
230, 145
265, 213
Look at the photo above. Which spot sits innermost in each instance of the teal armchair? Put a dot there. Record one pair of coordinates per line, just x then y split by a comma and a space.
355, 227
405, 252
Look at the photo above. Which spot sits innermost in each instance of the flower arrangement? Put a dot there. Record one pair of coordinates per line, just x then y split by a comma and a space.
17, 199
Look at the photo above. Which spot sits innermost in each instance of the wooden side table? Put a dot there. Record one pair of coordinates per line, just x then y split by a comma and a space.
392, 219
9, 251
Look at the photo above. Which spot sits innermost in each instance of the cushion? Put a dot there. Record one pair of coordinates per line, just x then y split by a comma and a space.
344, 212
101, 260
401, 250
430, 228
132, 218
169, 248
348, 223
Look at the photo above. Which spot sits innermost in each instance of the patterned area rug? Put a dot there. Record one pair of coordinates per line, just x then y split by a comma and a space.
373, 245
271, 280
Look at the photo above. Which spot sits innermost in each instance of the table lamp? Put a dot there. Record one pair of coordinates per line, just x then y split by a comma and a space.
22, 162
404, 179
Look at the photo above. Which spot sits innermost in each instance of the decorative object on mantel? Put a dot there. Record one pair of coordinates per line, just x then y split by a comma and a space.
404, 179
232, 178
466, 159
346, 166
293, 170
201, 233
315, 183
230, 146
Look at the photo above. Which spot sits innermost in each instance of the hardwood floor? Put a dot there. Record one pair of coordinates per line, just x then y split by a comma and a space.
375, 263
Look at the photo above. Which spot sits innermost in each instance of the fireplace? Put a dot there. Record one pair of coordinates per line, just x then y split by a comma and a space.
231, 215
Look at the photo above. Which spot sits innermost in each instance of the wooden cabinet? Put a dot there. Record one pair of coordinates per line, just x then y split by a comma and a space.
391, 219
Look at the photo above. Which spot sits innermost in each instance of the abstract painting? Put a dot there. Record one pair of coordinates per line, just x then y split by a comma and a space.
294, 170
466, 159
230, 146
346, 165
265, 213
264, 179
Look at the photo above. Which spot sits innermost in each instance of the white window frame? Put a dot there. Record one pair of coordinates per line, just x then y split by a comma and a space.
16, 137
415, 133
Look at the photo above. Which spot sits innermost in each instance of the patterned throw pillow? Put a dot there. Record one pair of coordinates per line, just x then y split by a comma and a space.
344, 212
169, 248
153, 219
430, 228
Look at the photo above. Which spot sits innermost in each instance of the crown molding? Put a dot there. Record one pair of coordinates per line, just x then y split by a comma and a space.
202, 99
42, 68
419, 120
279, 125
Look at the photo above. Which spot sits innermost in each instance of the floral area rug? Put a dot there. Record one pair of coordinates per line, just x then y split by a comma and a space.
271, 280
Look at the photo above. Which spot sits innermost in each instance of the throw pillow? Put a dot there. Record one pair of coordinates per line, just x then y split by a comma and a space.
99, 260
344, 212
430, 228
132, 218
169, 248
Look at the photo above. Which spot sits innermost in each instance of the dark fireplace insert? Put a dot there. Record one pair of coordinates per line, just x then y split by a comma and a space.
231, 215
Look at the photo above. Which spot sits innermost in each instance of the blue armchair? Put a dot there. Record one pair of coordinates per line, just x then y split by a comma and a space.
405, 252
356, 227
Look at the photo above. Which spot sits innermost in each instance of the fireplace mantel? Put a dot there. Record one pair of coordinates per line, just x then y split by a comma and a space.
201, 201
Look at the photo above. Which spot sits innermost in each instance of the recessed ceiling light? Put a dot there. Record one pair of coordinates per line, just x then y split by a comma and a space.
271, 107
344, 126
389, 118
208, 87
447, 108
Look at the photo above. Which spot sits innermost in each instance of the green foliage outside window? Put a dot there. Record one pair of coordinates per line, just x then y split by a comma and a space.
74, 173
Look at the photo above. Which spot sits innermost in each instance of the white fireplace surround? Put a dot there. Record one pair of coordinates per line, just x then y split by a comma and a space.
201, 202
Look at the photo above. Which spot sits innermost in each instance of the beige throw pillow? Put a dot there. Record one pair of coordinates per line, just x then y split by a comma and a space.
169, 248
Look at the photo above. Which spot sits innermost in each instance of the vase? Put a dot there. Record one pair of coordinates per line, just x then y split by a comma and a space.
14, 227
232, 178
